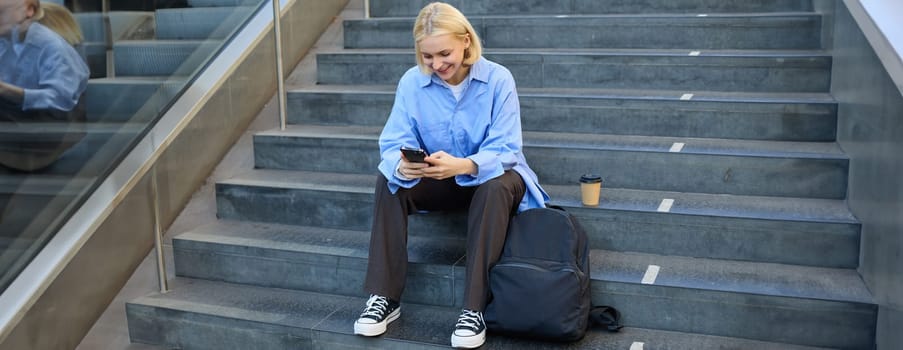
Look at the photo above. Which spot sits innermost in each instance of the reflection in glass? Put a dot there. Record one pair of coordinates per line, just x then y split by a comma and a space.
43, 79
77, 91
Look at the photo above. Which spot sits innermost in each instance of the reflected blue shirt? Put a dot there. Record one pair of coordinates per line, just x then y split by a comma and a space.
51, 71
483, 126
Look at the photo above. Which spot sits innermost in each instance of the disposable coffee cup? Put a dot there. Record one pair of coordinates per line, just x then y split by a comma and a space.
590, 186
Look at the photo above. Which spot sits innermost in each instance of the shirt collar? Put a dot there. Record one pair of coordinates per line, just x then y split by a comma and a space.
478, 71
17, 45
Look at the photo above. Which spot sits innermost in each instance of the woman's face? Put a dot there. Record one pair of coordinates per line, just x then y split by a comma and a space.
12, 13
444, 54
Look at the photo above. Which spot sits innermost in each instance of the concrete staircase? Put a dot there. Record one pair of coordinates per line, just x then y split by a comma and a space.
719, 108
154, 54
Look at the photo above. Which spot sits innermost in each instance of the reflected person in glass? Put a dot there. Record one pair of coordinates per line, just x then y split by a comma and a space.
42, 82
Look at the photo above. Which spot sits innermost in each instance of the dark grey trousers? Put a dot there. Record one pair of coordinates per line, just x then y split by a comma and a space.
489, 206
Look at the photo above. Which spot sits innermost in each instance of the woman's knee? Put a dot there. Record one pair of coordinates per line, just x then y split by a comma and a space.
510, 183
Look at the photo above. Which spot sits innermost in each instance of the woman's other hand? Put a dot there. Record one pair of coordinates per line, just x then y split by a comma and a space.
411, 170
444, 165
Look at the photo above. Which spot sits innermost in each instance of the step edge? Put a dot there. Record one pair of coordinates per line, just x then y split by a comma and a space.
363, 184
198, 241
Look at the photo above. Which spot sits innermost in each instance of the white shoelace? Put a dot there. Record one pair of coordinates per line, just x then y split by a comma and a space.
376, 306
470, 319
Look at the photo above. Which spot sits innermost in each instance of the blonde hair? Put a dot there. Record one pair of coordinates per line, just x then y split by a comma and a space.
439, 18
60, 20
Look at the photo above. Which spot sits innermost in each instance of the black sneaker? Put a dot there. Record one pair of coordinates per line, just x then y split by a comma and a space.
378, 313
470, 332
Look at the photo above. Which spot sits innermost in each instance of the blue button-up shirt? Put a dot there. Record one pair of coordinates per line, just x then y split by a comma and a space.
483, 126
51, 71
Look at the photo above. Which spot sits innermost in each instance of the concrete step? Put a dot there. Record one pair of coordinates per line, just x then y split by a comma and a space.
33, 203
800, 231
755, 71
12, 260
97, 146
95, 55
785, 30
799, 302
201, 314
47, 185
123, 25
216, 3
6, 242
718, 166
129, 99
14, 243
32, 209
12, 252
200, 23
756, 116
386, 8
162, 57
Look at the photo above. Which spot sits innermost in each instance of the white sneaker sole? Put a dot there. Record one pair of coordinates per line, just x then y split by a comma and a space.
470, 342
374, 329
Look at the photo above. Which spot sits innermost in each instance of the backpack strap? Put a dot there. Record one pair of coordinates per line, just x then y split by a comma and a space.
557, 207
606, 316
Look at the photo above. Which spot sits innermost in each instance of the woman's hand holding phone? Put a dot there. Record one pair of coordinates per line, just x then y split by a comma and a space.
415, 163
444, 165
413, 155
412, 163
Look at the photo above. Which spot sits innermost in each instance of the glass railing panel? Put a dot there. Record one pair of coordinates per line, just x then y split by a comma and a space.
134, 61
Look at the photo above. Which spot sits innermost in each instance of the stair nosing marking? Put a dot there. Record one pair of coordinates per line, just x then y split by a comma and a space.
677, 147
651, 274
702, 15
637, 345
694, 53
665, 206
686, 97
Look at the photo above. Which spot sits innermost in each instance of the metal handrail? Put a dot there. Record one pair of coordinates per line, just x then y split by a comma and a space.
158, 234
280, 81
280, 92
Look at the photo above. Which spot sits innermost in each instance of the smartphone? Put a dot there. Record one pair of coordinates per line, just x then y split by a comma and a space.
414, 155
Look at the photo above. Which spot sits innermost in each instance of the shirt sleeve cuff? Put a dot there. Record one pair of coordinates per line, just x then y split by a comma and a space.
488, 167
398, 173
30, 98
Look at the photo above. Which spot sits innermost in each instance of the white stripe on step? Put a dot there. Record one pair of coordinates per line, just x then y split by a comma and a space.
651, 274
637, 345
665, 206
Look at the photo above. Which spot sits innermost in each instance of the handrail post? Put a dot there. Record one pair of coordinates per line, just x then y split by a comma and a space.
280, 83
366, 8
158, 233
108, 36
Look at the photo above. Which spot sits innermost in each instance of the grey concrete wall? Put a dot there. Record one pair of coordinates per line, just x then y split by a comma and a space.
870, 130
65, 312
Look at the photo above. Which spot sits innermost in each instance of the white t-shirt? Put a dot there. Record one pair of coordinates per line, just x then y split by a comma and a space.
457, 90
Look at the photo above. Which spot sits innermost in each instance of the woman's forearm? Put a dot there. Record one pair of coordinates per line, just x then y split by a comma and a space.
12, 93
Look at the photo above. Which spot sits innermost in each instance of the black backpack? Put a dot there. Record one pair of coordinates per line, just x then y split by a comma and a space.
540, 287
